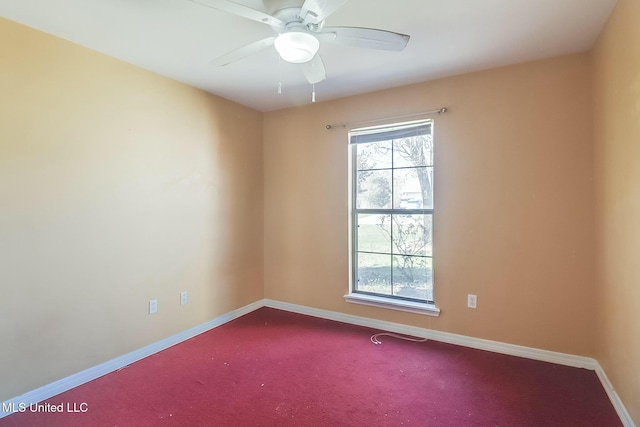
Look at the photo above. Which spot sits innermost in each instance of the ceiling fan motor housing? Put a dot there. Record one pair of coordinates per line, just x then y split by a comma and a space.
292, 19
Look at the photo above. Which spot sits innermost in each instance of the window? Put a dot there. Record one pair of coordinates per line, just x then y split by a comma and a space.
392, 213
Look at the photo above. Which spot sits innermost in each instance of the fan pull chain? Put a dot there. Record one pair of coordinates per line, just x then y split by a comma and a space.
279, 76
313, 93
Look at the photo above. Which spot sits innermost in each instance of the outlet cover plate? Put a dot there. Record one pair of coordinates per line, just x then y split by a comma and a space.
472, 301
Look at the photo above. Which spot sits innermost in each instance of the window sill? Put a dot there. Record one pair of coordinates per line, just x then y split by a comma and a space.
393, 304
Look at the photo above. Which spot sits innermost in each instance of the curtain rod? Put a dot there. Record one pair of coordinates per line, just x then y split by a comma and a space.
344, 125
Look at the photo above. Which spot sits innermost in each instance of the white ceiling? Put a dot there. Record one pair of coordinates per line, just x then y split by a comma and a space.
179, 38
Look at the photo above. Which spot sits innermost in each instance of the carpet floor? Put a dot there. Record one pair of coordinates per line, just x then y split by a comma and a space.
275, 368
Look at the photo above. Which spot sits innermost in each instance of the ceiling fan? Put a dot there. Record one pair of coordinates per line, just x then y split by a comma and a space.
300, 29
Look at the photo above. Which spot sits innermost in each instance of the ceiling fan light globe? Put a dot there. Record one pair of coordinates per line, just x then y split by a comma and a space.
297, 47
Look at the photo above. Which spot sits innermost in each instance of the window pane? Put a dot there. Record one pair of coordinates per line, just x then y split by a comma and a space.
413, 152
374, 273
413, 277
374, 190
374, 233
374, 155
412, 234
413, 188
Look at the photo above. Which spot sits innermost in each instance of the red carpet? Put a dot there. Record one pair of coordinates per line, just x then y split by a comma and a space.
273, 368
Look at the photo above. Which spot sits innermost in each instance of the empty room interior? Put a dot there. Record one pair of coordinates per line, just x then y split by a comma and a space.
219, 193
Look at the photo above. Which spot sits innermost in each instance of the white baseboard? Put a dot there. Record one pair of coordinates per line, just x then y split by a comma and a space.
624, 415
465, 341
90, 374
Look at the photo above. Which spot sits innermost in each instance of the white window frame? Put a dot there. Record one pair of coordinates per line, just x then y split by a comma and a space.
427, 307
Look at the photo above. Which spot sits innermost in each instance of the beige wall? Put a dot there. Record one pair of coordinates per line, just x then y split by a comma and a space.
514, 203
116, 186
617, 147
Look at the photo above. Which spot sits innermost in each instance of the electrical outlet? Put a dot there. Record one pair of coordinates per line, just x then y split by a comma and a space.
184, 298
472, 301
153, 306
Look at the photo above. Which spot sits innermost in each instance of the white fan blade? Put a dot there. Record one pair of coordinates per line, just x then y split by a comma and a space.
243, 52
316, 11
370, 38
242, 11
314, 70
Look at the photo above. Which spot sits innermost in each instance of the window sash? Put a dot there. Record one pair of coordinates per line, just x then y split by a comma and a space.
391, 254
